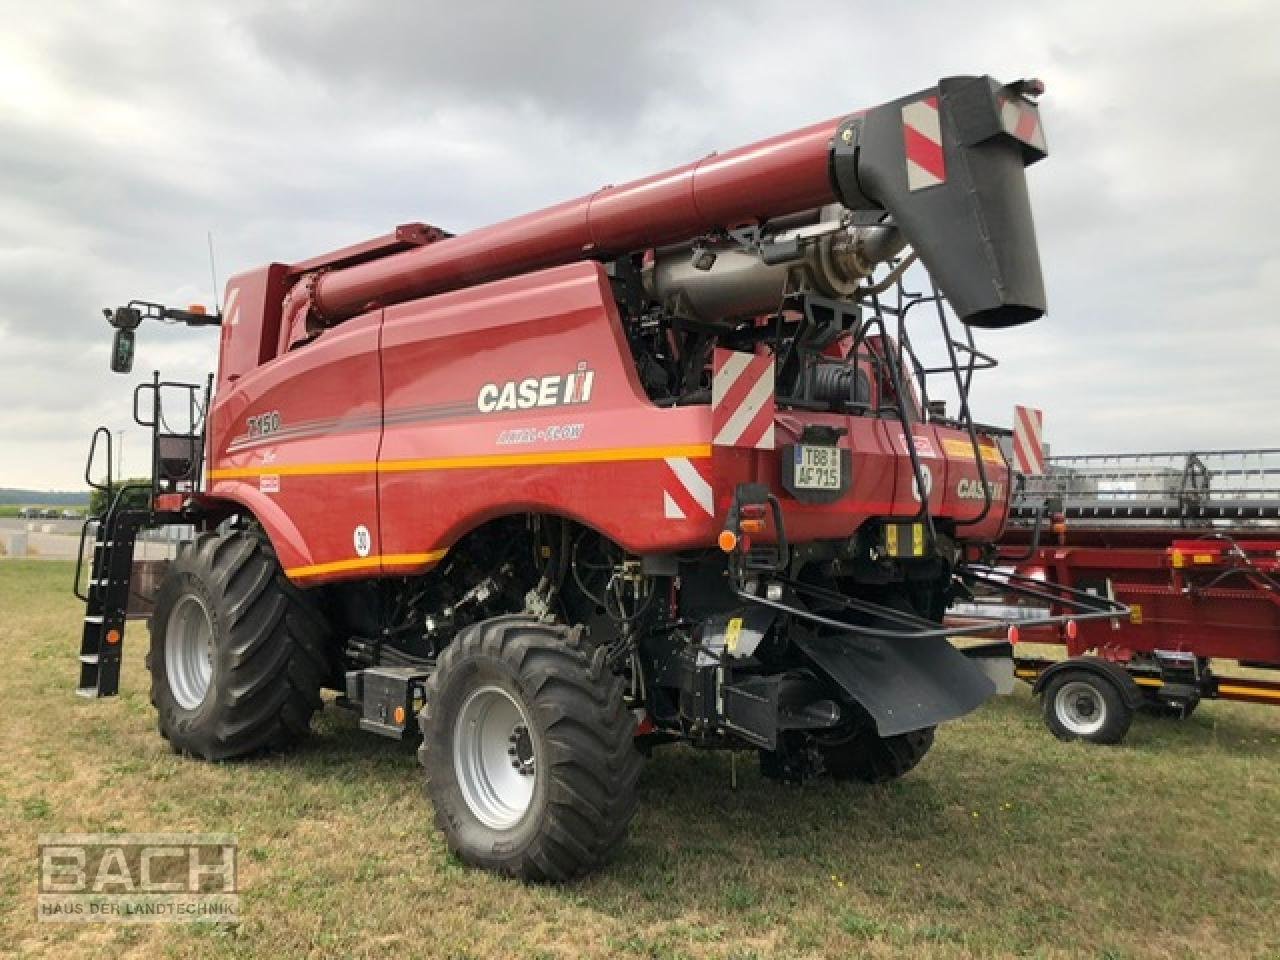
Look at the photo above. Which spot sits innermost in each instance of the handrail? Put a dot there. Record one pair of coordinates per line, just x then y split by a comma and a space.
88, 466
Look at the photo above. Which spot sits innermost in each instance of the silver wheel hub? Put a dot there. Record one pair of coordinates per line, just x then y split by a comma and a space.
188, 651
1080, 708
494, 757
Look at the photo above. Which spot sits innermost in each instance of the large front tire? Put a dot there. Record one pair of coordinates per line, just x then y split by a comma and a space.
527, 747
237, 655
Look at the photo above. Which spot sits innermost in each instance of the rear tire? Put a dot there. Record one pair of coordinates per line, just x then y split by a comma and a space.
528, 752
1082, 705
860, 755
871, 758
237, 655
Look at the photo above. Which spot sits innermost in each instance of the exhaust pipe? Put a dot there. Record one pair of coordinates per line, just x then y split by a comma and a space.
946, 164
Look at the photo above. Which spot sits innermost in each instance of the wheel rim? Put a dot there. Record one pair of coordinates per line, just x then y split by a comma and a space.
1080, 708
494, 757
188, 651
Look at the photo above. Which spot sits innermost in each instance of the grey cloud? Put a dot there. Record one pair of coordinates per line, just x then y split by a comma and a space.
288, 129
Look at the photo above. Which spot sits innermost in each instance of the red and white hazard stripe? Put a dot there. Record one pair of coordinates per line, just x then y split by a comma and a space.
1028, 441
742, 400
688, 492
1022, 120
922, 139
232, 309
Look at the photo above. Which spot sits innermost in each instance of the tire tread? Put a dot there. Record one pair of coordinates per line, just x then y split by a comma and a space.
277, 651
592, 761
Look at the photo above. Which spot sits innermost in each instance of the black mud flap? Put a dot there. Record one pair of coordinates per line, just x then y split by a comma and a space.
995, 659
904, 684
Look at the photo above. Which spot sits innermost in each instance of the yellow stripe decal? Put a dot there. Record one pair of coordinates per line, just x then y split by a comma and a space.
292, 470
1249, 691
693, 451
366, 563
1148, 682
963, 450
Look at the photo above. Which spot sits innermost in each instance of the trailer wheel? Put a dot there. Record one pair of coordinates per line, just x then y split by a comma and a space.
1083, 705
527, 750
871, 758
237, 655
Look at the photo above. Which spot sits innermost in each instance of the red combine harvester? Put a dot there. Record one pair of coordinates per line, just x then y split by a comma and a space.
655, 465
1190, 543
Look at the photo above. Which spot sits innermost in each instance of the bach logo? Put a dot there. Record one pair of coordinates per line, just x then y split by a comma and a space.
137, 878
553, 390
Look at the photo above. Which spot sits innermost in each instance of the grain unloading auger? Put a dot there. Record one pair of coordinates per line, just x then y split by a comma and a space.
658, 464
960, 199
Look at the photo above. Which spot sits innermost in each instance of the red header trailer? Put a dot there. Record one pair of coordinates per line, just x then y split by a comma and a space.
1190, 543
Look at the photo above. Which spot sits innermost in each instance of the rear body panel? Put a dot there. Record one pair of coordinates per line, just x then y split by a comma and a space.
296, 442
377, 445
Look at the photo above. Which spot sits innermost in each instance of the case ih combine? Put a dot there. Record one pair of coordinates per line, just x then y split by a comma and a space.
654, 465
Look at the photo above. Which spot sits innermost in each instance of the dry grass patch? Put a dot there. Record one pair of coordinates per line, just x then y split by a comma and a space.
1003, 843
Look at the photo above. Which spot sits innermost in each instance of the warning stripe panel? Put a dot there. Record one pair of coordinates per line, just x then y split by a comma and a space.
922, 144
232, 308
742, 400
688, 493
1028, 442
1022, 120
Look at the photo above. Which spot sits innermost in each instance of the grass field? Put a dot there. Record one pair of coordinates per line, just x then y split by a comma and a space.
1003, 842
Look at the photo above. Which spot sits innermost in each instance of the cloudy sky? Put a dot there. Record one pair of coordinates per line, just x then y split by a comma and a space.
129, 131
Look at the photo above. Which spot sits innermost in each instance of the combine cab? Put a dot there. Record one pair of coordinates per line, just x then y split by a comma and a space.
656, 465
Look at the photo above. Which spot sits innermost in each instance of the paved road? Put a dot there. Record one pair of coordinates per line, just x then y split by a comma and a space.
59, 538
14, 524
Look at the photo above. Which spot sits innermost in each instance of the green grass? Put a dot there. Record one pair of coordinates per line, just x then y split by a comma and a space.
1003, 842
10, 510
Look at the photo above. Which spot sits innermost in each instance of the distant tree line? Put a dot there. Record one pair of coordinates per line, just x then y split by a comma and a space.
49, 498
98, 501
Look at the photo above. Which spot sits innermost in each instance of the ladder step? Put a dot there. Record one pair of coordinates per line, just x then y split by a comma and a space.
90, 693
93, 618
89, 658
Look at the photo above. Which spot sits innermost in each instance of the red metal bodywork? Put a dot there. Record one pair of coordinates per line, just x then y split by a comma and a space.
751, 184
1210, 597
350, 415
376, 425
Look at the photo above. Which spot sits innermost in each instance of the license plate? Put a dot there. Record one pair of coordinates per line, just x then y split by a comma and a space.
817, 468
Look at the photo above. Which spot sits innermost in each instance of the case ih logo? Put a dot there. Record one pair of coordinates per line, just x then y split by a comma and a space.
553, 390
968, 489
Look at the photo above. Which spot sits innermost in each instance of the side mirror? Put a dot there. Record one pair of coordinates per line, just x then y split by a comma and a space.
122, 351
